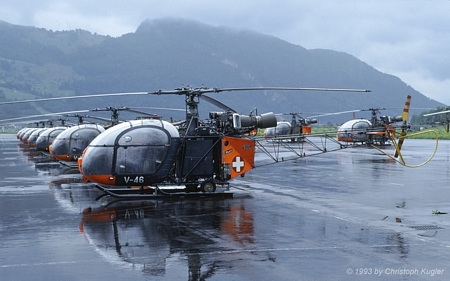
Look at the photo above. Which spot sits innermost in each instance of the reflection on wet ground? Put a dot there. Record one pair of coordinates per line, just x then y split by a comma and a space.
148, 234
332, 216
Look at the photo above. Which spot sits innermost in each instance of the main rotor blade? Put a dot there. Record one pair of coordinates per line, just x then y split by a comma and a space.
88, 116
133, 109
217, 103
139, 112
41, 115
216, 90
374, 109
435, 113
74, 97
335, 113
160, 108
204, 90
181, 91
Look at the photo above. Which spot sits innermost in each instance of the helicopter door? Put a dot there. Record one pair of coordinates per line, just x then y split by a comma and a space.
198, 158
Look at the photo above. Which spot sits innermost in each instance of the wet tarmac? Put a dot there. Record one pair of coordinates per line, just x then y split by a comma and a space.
351, 214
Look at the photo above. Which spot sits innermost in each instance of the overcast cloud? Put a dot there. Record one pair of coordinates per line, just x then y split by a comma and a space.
406, 38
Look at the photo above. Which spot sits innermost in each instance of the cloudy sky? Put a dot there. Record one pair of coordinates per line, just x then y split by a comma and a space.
406, 38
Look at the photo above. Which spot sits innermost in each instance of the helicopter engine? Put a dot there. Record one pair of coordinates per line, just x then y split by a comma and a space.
233, 123
389, 119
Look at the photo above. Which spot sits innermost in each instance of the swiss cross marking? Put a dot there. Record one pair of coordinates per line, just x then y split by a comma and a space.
237, 164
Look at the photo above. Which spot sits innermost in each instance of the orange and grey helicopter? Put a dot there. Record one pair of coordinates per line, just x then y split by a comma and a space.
376, 131
297, 128
70, 144
36, 135
66, 140
25, 134
67, 143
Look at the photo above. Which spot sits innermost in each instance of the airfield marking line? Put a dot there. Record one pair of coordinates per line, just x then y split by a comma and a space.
44, 263
289, 249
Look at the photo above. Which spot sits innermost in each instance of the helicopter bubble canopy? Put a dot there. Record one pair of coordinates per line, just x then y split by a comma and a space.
21, 133
70, 143
281, 129
352, 130
144, 147
34, 136
27, 134
46, 137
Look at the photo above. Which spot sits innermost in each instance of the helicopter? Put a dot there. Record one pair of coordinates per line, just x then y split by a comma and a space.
41, 139
67, 143
46, 138
31, 141
196, 156
29, 136
35, 139
25, 134
70, 143
376, 131
298, 127
64, 143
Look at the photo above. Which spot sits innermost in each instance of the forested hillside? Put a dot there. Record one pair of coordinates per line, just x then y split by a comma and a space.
169, 53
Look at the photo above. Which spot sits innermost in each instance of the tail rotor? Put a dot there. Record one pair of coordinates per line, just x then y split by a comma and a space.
404, 127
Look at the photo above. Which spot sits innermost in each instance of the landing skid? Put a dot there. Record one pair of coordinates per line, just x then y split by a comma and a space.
69, 164
156, 193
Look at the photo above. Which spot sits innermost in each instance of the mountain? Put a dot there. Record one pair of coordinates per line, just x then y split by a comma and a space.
169, 53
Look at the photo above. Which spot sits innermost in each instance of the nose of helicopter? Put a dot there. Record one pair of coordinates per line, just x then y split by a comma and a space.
69, 145
138, 152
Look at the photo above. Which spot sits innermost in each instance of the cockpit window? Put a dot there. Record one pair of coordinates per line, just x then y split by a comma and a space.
144, 135
80, 139
141, 151
100, 163
360, 125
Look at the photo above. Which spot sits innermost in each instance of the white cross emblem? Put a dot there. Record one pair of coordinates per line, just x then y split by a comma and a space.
238, 164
